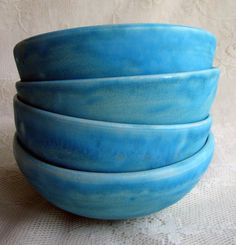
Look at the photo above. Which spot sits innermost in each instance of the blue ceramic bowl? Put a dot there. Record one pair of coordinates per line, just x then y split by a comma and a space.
105, 147
114, 50
155, 99
114, 196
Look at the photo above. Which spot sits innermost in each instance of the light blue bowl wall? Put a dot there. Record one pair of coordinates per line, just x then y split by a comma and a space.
114, 50
158, 99
105, 147
114, 196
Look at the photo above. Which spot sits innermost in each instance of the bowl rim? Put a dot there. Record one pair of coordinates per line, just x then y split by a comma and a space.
174, 169
108, 27
167, 76
114, 125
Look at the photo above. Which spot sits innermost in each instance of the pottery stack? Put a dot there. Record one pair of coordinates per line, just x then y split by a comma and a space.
112, 122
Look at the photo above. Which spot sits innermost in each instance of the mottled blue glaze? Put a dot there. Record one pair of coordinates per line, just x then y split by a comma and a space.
105, 147
114, 196
114, 50
155, 99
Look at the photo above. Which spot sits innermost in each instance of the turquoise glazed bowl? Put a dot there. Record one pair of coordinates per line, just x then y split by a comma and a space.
154, 99
114, 50
103, 146
114, 196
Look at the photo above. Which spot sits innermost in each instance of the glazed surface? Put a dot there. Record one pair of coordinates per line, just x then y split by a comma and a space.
114, 196
115, 50
105, 147
155, 99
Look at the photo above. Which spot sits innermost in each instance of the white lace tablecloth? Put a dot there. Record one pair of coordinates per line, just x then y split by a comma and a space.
207, 215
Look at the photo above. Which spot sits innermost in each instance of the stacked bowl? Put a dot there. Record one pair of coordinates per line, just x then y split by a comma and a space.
112, 122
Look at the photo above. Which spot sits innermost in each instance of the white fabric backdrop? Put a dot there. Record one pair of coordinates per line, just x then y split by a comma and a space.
206, 216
